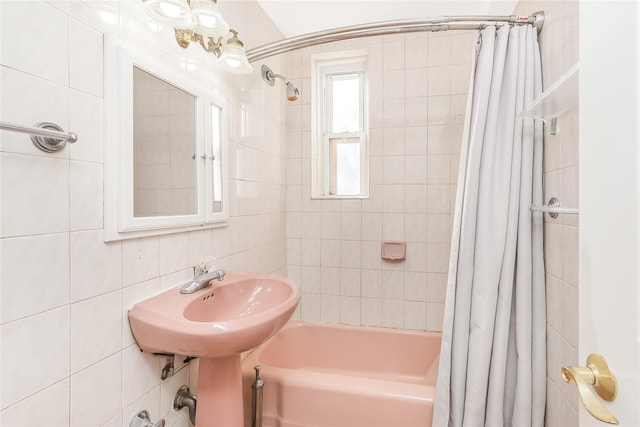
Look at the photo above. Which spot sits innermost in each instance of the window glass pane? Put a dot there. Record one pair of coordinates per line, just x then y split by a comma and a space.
345, 166
345, 108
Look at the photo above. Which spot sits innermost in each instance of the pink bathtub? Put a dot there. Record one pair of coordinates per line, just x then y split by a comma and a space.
319, 375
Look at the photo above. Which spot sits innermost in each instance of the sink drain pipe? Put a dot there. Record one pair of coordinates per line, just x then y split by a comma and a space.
185, 398
256, 399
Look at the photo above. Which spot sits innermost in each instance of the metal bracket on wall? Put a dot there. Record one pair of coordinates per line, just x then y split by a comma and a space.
172, 364
167, 368
47, 137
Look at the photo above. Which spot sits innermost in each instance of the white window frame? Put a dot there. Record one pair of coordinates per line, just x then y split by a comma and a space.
323, 65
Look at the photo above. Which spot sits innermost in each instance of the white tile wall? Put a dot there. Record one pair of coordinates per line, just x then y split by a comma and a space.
85, 118
96, 267
96, 329
35, 354
68, 356
52, 60
35, 195
85, 58
29, 290
85, 195
49, 407
416, 84
96, 393
140, 260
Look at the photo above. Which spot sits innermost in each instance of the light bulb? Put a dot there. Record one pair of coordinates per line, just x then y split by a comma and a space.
169, 9
234, 63
207, 21
175, 13
210, 22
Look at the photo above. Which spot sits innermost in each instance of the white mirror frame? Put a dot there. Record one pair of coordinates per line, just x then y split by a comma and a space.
119, 220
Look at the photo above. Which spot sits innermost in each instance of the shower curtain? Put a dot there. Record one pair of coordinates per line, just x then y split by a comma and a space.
493, 356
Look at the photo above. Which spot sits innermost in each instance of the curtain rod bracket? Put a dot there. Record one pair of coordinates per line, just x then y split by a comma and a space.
538, 20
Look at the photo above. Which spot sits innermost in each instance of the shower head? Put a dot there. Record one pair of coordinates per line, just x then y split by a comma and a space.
270, 78
292, 92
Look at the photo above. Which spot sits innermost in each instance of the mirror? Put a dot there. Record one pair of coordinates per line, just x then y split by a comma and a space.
164, 143
165, 147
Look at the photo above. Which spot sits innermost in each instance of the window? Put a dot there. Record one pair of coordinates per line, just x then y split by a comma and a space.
339, 128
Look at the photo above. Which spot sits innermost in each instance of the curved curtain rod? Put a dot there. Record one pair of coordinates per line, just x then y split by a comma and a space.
442, 23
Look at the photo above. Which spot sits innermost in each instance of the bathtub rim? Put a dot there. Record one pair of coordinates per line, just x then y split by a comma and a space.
362, 383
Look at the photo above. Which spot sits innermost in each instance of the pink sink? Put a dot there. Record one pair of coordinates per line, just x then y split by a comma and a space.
232, 316
216, 324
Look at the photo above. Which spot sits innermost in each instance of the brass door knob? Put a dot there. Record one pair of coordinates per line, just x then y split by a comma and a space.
597, 375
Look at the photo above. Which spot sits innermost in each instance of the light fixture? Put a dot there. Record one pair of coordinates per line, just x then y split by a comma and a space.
270, 78
200, 21
233, 58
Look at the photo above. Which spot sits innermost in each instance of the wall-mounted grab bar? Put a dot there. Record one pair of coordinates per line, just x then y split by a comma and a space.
553, 208
48, 137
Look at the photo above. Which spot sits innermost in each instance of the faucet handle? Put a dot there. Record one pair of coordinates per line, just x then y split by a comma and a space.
143, 420
206, 265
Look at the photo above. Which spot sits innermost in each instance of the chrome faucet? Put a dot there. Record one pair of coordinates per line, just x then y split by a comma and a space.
202, 278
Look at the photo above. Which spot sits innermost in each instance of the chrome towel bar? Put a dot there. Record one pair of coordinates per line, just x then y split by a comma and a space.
553, 208
48, 137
